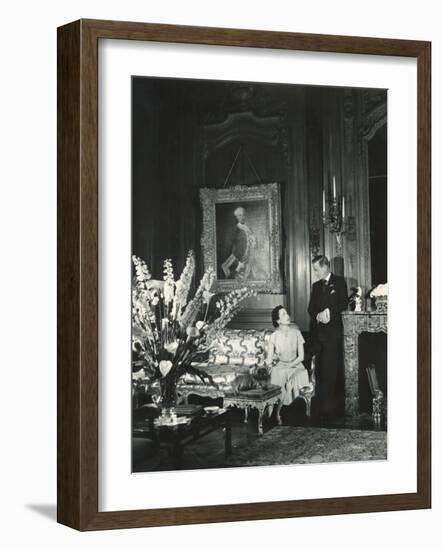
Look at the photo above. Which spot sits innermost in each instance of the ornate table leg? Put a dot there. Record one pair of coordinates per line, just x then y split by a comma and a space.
278, 413
261, 409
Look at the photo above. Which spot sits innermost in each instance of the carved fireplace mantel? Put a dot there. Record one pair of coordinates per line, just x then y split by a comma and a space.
354, 325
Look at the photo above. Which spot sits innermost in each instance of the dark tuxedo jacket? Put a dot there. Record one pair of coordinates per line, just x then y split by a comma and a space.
333, 296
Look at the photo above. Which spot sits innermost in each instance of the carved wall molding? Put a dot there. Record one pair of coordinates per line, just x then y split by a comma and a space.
373, 120
244, 126
239, 97
349, 117
372, 98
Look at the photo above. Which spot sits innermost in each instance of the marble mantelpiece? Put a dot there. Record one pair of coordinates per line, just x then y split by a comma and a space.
354, 325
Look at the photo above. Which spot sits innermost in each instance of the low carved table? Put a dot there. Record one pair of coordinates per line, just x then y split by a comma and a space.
260, 399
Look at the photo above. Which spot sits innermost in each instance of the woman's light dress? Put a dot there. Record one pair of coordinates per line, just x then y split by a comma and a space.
284, 374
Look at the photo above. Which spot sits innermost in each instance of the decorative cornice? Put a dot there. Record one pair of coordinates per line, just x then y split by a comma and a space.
374, 120
243, 126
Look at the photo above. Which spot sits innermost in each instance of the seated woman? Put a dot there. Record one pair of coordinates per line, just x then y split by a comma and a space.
286, 345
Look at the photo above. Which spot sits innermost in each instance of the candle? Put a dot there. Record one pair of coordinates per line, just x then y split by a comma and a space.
323, 202
334, 188
343, 207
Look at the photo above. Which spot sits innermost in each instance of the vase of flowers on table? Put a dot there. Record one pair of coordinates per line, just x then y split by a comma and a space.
380, 295
170, 330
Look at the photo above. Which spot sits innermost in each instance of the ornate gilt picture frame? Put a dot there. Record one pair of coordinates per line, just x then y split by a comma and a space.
241, 238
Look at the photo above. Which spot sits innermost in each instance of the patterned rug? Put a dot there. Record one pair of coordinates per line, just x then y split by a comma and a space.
295, 445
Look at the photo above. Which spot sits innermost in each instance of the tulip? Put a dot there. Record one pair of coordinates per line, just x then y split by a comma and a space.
171, 347
165, 367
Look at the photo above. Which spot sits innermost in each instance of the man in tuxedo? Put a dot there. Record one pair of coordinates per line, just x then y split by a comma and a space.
328, 299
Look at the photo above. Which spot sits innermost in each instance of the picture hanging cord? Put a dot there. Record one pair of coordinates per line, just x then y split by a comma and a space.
234, 162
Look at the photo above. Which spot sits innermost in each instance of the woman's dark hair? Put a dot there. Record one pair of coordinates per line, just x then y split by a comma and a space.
275, 315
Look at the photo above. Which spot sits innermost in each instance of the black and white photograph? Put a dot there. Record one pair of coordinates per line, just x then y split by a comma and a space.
260, 288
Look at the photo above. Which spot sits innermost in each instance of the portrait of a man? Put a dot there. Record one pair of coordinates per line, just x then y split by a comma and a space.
240, 263
241, 237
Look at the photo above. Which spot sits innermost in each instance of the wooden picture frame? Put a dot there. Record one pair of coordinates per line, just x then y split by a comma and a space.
78, 428
265, 273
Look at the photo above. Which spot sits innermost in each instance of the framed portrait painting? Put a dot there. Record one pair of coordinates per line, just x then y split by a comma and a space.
241, 237
171, 408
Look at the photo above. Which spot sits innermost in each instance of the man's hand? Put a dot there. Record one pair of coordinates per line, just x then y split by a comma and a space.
326, 315
323, 316
239, 266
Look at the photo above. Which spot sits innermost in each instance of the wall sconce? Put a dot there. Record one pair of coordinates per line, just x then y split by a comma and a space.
315, 232
335, 218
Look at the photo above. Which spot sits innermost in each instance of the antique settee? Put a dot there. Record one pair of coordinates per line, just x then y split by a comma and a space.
237, 366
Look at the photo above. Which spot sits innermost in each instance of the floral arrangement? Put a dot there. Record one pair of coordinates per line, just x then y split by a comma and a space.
380, 293
169, 330
380, 290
